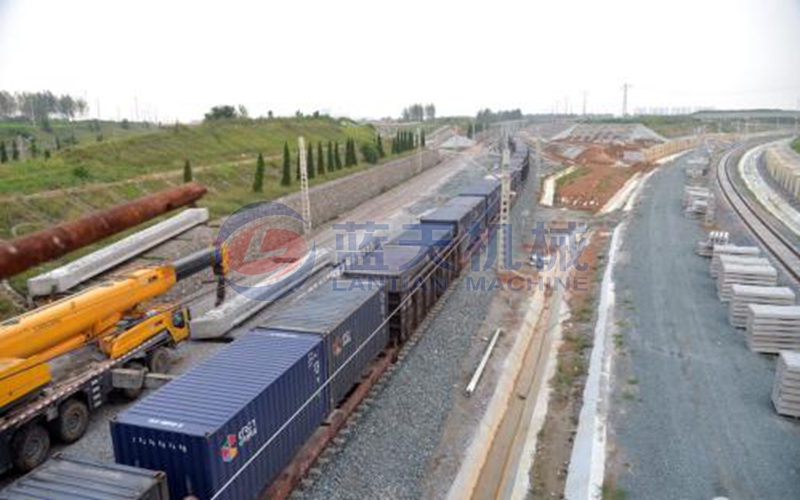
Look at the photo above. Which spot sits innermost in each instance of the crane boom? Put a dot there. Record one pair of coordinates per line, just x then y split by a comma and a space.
29, 341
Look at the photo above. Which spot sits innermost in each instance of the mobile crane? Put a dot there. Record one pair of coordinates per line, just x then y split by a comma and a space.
61, 361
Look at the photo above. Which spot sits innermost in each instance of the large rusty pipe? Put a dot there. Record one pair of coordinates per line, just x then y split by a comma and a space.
42, 246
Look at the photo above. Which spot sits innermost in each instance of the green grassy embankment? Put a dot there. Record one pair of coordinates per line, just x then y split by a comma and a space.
796, 145
223, 155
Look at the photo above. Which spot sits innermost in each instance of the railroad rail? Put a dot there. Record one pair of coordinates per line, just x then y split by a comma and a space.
783, 250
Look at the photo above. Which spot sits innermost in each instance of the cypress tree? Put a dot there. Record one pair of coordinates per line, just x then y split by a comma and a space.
379, 144
355, 153
287, 166
320, 159
348, 161
422, 139
297, 156
58, 144
14, 150
336, 157
347, 153
3, 153
310, 161
331, 164
46, 154
258, 181
34, 148
187, 172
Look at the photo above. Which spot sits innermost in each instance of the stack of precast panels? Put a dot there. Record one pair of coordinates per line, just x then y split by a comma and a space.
771, 329
720, 250
757, 275
744, 295
786, 390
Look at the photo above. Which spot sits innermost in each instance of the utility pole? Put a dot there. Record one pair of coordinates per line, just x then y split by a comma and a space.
584, 103
306, 202
136, 107
625, 88
503, 235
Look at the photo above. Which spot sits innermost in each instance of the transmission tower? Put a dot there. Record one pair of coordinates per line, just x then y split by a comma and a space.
625, 88
301, 145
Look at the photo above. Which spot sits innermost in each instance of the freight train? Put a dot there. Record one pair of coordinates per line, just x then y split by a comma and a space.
227, 428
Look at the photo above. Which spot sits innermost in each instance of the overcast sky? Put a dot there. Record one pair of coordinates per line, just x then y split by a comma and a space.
371, 58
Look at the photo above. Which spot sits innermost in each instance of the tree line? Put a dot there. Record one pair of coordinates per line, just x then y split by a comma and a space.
489, 116
418, 112
39, 107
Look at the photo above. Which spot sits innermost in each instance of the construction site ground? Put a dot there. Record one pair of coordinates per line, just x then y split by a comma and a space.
691, 413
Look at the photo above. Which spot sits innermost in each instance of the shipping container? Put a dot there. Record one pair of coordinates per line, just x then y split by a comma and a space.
441, 250
474, 201
225, 429
489, 190
349, 317
409, 278
460, 216
65, 477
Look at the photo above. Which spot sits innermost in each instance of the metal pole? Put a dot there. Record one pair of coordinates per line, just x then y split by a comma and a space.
476, 377
306, 202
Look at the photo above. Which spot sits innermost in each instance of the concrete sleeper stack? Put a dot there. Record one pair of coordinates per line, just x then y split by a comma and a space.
786, 390
720, 250
744, 295
757, 275
771, 329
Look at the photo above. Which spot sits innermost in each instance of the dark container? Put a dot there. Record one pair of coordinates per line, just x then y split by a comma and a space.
65, 477
489, 190
458, 215
225, 429
471, 201
410, 281
349, 318
442, 251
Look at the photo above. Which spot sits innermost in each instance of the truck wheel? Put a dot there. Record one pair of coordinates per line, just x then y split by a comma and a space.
29, 447
160, 360
72, 421
132, 394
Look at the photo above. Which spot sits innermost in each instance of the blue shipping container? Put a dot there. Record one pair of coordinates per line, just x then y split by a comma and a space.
225, 429
349, 317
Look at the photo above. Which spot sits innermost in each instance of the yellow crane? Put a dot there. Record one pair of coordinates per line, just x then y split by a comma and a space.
118, 318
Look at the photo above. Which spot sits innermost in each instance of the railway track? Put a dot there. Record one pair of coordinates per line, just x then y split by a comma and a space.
783, 250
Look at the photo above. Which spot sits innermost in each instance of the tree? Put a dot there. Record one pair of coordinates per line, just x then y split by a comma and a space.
8, 104
270, 115
258, 181
221, 113
310, 160
34, 149
353, 152
320, 159
187, 172
422, 138
3, 153
46, 154
58, 144
370, 152
331, 164
430, 112
297, 162
336, 157
286, 180
243, 112
348, 153
470, 131
379, 146
66, 106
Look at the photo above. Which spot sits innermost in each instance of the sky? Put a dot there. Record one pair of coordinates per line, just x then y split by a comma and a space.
173, 60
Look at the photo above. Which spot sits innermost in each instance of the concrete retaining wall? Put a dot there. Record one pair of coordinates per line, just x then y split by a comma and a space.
783, 164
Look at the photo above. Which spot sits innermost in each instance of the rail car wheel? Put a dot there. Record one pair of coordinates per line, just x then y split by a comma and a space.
29, 447
72, 421
132, 393
160, 360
